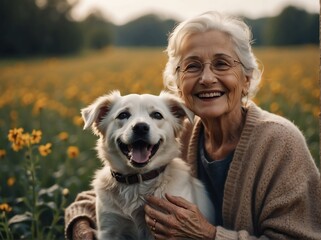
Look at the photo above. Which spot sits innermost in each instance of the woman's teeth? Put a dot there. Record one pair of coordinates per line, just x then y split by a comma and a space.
210, 95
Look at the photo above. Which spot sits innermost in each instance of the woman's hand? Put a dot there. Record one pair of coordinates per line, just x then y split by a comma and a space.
176, 218
82, 230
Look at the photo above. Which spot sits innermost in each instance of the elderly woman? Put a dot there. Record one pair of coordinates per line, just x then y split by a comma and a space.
255, 165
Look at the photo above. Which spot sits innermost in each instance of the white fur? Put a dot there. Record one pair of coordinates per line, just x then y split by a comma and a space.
119, 206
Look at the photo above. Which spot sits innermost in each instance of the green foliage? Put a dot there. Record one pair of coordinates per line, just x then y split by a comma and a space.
47, 29
98, 32
148, 30
27, 29
38, 212
292, 26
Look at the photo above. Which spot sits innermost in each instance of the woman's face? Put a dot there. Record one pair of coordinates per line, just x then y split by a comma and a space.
214, 90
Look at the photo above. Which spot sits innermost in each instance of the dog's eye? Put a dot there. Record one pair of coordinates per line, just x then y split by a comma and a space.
123, 115
156, 115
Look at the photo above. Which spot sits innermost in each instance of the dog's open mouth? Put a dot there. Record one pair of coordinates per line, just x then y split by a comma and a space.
139, 153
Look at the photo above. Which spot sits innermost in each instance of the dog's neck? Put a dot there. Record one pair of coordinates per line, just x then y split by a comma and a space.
137, 178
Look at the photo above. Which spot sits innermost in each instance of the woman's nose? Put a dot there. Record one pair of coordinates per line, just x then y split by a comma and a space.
208, 76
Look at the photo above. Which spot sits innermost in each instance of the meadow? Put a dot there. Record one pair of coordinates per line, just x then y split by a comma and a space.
46, 158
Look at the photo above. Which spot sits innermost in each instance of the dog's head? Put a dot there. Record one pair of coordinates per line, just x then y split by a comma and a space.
137, 132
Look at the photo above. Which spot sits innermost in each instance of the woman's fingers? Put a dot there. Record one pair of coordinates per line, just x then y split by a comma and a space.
161, 203
159, 231
167, 217
178, 201
176, 217
166, 211
151, 214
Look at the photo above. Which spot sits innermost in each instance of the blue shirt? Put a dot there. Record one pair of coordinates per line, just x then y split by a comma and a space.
213, 174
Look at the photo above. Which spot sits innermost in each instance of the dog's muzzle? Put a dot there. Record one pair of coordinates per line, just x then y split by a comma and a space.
139, 151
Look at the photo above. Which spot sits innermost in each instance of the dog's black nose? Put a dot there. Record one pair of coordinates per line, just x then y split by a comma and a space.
141, 128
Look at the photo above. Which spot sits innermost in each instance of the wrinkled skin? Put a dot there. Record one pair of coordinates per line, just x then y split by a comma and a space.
176, 219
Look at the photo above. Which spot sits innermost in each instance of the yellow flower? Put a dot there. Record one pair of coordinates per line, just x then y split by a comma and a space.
39, 105
17, 146
5, 207
18, 138
44, 150
35, 136
2, 153
72, 151
63, 136
11, 181
25, 139
15, 134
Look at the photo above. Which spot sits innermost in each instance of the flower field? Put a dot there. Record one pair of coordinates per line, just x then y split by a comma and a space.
46, 157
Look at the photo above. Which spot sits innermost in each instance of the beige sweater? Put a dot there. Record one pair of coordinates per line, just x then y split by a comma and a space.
273, 187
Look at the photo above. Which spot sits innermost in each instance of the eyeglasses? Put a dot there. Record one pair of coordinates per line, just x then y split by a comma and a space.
220, 65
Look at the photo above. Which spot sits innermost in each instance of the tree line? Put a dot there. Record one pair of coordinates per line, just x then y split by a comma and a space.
45, 27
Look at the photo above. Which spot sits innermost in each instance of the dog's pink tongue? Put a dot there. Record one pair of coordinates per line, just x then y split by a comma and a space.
141, 155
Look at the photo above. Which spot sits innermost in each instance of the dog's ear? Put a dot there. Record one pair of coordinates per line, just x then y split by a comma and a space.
95, 113
177, 107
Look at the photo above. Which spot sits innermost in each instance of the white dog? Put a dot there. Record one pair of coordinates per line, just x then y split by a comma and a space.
139, 148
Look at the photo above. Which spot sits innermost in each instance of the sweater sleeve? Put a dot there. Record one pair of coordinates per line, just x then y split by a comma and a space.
290, 206
83, 207
279, 188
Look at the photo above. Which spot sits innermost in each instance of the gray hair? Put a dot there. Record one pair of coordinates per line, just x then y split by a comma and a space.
235, 28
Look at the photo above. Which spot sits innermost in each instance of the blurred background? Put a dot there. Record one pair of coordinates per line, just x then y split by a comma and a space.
57, 56
68, 26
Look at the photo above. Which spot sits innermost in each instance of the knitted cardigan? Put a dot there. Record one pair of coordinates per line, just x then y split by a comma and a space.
273, 187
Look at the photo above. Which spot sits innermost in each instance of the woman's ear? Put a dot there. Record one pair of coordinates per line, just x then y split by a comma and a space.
246, 84
245, 90
248, 80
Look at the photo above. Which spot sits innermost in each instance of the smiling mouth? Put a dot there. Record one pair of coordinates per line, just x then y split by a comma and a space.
206, 95
139, 152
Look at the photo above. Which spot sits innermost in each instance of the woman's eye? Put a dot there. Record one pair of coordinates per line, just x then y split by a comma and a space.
156, 115
221, 65
123, 115
193, 67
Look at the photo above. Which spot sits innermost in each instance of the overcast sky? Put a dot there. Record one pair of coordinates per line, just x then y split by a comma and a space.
122, 11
